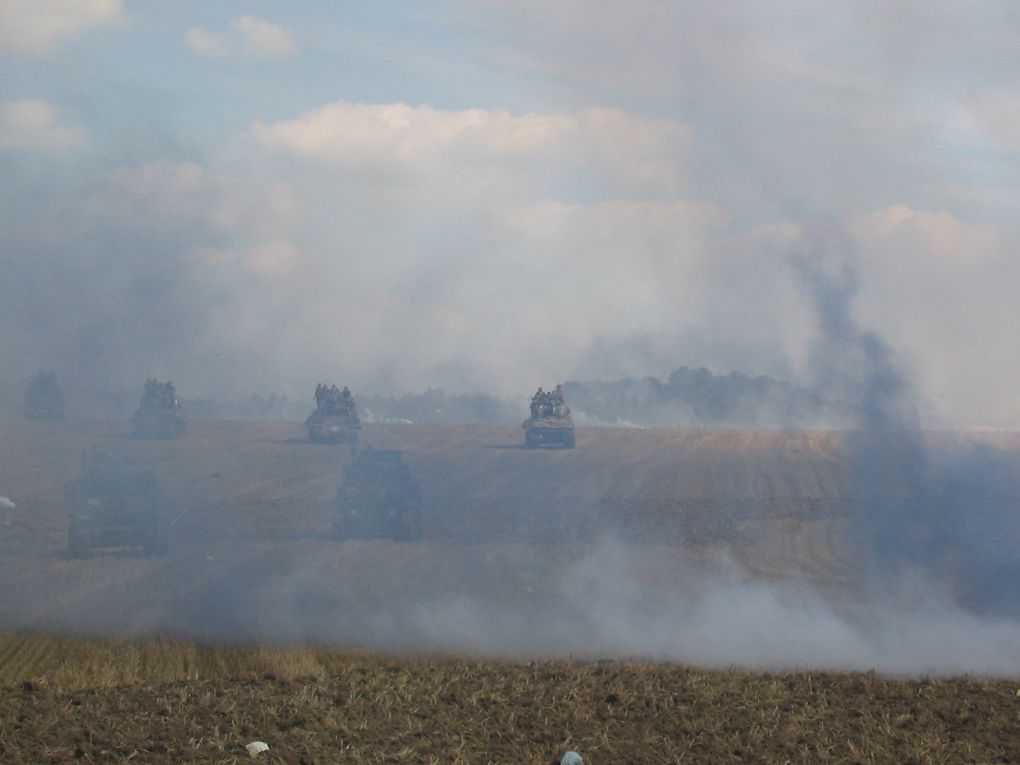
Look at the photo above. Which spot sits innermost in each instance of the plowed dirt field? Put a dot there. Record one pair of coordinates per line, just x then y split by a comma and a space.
526, 553
167, 701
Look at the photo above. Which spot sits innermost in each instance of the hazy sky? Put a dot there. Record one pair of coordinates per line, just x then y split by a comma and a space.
498, 195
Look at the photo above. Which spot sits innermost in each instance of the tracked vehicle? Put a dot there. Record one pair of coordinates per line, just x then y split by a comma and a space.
159, 414
335, 419
112, 505
44, 399
550, 424
378, 497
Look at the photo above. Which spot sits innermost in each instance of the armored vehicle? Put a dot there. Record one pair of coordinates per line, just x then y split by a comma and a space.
159, 414
378, 497
335, 419
112, 504
550, 423
44, 399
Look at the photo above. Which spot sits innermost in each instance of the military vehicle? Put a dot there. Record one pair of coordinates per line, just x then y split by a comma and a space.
335, 419
112, 505
44, 399
378, 497
159, 414
550, 423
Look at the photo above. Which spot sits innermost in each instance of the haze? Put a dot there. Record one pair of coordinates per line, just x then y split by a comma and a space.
490, 196
486, 196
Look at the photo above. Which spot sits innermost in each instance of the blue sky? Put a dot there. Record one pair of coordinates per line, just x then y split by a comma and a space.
491, 195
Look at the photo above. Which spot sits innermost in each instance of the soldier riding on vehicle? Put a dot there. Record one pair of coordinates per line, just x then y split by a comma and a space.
550, 423
335, 419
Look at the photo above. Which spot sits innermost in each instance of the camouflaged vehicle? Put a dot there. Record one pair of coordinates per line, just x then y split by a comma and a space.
378, 497
335, 419
112, 505
44, 399
159, 414
550, 423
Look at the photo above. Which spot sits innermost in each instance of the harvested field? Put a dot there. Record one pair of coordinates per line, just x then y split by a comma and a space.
639, 542
169, 700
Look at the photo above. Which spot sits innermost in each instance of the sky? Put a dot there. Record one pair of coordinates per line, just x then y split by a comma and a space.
475, 195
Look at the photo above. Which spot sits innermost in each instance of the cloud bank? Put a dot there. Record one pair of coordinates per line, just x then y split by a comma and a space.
543, 212
255, 37
34, 27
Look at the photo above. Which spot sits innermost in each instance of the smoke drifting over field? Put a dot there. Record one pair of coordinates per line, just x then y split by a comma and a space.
503, 204
567, 220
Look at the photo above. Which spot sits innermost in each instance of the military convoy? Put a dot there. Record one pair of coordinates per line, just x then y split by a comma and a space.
159, 414
550, 424
378, 497
44, 399
112, 505
335, 419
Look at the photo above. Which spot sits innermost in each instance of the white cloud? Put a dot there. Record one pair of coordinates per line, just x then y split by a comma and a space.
593, 150
33, 27
256, 37
483, 249
261, 38
210, 44
27, 125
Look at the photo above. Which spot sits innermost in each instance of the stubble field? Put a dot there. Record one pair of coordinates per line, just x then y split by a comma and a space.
163, 701
171, 659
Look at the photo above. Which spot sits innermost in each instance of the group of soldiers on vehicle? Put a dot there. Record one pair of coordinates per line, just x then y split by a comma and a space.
113, 504
159, 395
546, 404
331, 399
159, 414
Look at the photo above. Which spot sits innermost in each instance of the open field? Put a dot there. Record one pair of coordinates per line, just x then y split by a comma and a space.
249, 506
174, 701
713, 546
630, 517
261, 481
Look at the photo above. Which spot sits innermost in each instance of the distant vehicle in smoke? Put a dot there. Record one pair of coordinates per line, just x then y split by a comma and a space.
112, 505
44, 399
159, 414
378, 497
550, 423
335, 419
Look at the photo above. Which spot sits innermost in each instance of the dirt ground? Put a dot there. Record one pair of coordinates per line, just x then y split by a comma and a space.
515, 541
172, 701
248, 508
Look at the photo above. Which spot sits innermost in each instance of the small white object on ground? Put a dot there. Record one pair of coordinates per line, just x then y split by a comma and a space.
571, 758
6, 503
255, 748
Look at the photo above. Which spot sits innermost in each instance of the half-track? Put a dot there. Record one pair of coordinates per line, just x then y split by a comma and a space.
378, 497
44, 399
335, 419
550, 424
160, 413
113, 504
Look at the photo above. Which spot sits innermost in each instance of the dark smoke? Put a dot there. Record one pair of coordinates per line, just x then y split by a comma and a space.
945, 511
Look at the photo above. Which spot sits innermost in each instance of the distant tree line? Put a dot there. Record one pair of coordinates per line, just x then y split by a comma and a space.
435, 405
699, 398
687, 398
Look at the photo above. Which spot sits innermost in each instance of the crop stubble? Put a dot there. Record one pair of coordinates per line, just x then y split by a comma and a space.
169, 700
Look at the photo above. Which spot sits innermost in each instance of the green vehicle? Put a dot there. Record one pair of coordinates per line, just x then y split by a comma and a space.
160, 413
113, 504
44, 399
378, 497
550, 424
335, 419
